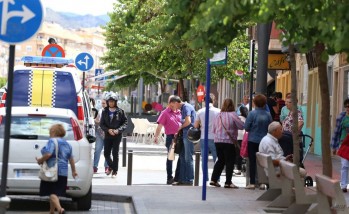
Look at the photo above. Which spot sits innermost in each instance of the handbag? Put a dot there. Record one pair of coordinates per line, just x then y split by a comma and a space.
343, 150
244, 143
179, 144
171, 153
230, 137
47, 173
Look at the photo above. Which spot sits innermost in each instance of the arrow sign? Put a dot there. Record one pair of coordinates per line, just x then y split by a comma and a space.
84, 61
20, 19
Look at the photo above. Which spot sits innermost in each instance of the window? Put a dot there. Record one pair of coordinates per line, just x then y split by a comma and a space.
29, 48
36, 127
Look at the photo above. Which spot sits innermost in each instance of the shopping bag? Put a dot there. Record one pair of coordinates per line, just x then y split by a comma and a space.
343, 150
171, 152
244, 143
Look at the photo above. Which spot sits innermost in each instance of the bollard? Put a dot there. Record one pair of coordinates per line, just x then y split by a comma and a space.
124, 151
197, 168
129, 168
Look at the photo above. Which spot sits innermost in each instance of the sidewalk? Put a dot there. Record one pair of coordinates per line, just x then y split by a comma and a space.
150, 194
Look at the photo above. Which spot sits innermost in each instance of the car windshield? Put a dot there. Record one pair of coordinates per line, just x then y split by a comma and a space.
36, 127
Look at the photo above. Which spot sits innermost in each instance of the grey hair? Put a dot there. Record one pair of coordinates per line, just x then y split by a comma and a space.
273, 126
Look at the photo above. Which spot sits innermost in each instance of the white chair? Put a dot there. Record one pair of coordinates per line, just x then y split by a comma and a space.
135, 131
146, 131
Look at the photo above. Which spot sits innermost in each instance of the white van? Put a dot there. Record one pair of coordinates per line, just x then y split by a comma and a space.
52, 82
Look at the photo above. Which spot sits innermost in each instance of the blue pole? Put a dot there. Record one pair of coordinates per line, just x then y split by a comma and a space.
205, 155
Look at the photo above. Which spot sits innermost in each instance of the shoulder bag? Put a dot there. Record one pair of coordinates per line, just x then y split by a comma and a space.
343, 150
50, 174
231, 138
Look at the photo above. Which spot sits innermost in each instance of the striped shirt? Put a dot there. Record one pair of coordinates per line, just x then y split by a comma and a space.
231, 123
170, 120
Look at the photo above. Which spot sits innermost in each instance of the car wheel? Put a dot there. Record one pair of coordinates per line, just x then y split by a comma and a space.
84, 203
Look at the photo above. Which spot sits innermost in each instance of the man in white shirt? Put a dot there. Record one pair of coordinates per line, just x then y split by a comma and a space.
200, 122
270, 145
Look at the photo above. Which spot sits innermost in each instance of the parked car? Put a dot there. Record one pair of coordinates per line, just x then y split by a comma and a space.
29, 133
52, 82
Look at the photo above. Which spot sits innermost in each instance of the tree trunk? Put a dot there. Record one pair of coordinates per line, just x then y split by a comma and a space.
181, 88
325, 113
295, 130
193, 89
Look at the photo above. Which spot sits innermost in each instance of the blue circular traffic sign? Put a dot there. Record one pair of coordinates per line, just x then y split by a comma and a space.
84, 61
20, 20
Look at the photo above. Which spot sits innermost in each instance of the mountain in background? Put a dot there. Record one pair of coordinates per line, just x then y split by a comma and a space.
75, 21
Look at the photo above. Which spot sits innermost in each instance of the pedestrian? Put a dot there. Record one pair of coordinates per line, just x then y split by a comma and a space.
170, 120
113, 122
238, 158
340, 132
99, 140
65, 154
186, 172
284, 110
225, 129
256, 125
272, 105
200, 123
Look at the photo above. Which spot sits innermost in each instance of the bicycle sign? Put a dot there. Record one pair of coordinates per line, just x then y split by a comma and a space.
20, 19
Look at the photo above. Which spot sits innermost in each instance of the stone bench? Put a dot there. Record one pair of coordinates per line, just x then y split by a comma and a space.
330, 188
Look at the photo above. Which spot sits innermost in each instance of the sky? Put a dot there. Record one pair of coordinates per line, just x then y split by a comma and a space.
81, 7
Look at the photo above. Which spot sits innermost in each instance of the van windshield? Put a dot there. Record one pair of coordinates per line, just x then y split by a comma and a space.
36, 127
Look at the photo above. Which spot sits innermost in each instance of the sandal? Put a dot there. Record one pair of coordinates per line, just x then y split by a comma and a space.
231, 186
216, 184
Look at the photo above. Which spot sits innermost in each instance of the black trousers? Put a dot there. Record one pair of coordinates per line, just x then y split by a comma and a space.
252, 150
225, 157
111, 146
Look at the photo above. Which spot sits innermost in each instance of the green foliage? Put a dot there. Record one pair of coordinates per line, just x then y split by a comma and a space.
3, 81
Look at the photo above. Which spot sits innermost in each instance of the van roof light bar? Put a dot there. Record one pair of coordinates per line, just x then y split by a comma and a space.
46, 61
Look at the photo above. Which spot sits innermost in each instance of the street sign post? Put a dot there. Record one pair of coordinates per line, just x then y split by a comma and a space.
20, 20
84, 62
53, 50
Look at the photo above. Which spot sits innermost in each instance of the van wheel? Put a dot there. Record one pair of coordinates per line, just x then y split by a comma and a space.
84, 203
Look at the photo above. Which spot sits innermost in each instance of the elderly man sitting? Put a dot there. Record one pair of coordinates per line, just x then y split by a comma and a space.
270, 145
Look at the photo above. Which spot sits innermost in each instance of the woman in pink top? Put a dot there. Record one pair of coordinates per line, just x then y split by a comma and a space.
225, 128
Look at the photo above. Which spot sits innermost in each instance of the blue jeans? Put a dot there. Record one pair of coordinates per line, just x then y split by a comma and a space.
344, 173
98, 149
211, 148
169, 139
186, 171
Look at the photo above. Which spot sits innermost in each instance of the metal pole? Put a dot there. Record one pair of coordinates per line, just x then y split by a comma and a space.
197, 168
83, 81
207, 103
132, 105
5, 201
129, 168
263, 34
124, 151
252, 49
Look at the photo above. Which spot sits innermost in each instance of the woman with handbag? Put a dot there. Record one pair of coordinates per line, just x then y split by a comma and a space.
256, 125
225, 129
340, 132
65, 154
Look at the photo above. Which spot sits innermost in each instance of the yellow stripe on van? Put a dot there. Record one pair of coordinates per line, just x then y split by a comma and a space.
42, 83
36, 88
47, 89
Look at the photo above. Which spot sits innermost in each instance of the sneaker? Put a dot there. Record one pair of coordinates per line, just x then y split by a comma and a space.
175, 183
95, 169
108, 171
169, 181
114, 173
344, 190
